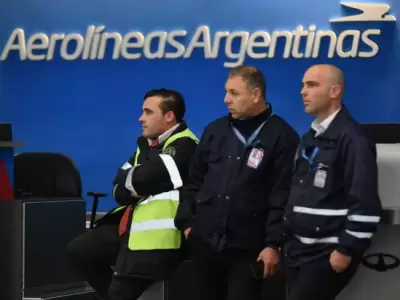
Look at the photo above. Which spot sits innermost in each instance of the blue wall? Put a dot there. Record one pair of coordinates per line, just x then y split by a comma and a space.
88, 109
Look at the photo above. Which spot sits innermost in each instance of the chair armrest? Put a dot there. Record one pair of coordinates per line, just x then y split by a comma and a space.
96, 196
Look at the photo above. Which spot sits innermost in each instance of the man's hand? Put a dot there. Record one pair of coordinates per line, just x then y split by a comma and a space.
144, 146
187, 232
339, 262
270, 258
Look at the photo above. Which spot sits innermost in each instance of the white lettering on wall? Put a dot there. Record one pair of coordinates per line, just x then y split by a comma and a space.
235, 45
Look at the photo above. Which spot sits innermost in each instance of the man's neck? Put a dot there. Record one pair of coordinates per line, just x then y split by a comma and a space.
162, 137
257, 111
324, 115
247, 126
321, 125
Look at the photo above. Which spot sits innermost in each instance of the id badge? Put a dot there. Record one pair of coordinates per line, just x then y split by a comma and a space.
320, 178
255, 157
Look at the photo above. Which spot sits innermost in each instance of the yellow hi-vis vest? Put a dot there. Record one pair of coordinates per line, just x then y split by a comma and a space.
152, 224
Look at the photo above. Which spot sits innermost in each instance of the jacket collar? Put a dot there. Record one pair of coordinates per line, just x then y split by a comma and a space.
268, 112
176, 129
321, 127
332, 133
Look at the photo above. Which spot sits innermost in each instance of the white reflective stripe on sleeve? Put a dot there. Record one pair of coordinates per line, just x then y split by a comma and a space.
366, 219
126, 166
128, 182
326, 240
114, 189
172, 170
153, 225
360, 235
320, 212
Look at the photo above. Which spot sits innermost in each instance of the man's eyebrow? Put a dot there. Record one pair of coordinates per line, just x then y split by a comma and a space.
309, 81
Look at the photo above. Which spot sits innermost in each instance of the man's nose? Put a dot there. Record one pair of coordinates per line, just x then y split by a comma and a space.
227, 99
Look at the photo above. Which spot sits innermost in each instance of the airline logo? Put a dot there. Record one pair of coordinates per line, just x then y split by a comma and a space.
369, 12
302, 42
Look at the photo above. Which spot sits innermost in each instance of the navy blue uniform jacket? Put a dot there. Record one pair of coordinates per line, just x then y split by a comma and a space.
334, 202
229, 204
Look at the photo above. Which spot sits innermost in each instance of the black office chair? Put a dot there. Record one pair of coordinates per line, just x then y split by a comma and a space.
49, 175
383, 133
54, 212
45, 175
96, 196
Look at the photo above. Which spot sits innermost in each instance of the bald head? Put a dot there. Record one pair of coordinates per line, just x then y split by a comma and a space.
322, 90
332, 74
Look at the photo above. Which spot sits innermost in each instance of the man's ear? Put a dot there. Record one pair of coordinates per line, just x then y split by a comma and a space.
336, 90
256, 95
169, 116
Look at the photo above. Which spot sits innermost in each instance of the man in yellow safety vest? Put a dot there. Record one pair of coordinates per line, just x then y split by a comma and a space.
146, 245
152, 178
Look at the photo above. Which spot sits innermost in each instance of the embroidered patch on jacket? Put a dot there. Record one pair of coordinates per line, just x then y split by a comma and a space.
170, 151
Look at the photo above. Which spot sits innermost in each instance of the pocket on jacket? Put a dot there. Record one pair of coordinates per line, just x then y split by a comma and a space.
203, 199
213, 156
327, 154
314, 226
205, 211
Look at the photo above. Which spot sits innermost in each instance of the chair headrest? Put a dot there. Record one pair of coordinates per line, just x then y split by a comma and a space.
383, 133
49, 175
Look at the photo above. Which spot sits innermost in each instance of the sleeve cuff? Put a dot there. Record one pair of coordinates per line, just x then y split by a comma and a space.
348, 251
183, 226
343, 250
274, 246
128, 182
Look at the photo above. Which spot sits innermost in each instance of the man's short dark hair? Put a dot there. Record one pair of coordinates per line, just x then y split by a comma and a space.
253, 77
171, 101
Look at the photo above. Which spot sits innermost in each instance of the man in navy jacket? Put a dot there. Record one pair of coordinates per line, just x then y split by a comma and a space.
239, 181
334, 208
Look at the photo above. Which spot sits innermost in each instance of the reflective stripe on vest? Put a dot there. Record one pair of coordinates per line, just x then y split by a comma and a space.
153, 218
117, 209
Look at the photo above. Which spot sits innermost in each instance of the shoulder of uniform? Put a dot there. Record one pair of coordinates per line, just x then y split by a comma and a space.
185, 140
218, 123
282, 126
184, 143
278, 120
354, 133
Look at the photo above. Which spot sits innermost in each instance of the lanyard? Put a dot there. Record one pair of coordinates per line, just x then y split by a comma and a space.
310, 158
253, 136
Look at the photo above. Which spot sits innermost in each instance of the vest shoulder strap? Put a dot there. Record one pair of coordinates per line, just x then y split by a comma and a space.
187, 133
137, 156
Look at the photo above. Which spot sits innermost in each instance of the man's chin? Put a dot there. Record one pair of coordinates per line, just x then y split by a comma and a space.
236, 116
308, 110
149, 136
145, 133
